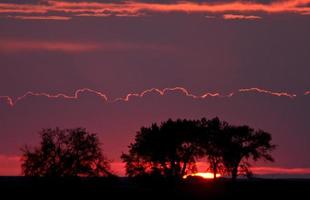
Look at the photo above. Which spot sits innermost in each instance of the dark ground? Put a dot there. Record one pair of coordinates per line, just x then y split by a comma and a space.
115, 188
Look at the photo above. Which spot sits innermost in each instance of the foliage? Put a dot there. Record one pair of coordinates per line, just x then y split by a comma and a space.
172, 148
68, 152
168, 150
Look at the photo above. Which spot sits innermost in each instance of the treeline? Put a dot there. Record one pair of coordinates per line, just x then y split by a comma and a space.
168, 150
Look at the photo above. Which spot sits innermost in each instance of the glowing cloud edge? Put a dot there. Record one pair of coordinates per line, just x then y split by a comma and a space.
161, 92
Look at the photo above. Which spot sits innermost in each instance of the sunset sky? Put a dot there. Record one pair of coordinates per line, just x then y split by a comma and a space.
113, 66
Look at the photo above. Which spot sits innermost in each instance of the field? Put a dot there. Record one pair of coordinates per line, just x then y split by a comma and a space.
104, 188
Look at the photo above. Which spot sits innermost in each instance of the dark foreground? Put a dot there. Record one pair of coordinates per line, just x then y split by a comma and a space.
115, 188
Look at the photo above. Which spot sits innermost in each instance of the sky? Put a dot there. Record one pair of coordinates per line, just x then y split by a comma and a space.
113, 66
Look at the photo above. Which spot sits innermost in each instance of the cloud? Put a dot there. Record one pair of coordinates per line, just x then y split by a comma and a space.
242, 17
135, 8
8, 100
93, 15
162, 92
49, 17
17, 45
110, 15
23, 8
280, 170
264, 170
22, 45
279, 94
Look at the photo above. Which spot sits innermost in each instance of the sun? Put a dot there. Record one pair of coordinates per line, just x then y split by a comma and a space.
205, 175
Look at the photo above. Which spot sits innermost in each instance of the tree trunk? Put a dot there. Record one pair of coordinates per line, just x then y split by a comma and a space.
214, 174
183, 168
172, 168
214, 169
234, 174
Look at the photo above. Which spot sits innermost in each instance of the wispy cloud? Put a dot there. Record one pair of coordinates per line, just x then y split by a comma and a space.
17, 45
259, 90
264, 170
49, 17
241, 17
161, 92
135, 8
24, 8
280, 170
21, 45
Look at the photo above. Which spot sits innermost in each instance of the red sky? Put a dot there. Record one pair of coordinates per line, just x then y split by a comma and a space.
113, 67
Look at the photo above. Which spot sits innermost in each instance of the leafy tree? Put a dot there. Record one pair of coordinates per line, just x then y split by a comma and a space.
241, 144
172, 148
211, 141
68, 152
168, 149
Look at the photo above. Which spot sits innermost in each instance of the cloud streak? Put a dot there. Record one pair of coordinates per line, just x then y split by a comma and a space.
161, 92
241, 17
15, 45
135, 8
264, 170
20, 45
278, 94
50, 17
280, 170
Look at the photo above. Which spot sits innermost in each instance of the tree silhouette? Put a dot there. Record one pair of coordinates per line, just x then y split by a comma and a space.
171, 149
168, 150
68, 152
211, 141
242, 143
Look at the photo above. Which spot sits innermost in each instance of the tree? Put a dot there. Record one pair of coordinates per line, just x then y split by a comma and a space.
241, 144
68, 152
168, 150
211, 141
171, 149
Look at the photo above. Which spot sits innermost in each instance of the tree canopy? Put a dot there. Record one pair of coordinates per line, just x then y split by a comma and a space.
67, 152
242, 144
172, 148
167, 149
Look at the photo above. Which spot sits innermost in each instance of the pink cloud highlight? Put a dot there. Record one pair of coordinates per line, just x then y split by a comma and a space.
23, 8
18, 45
298, 6
279, 170
263, 170
241, 17
132, 8
76, 95
161, 92
61, 18
278, 94
15, 45
8, 100
164, 91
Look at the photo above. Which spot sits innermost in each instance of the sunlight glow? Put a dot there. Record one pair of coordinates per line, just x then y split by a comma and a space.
205, 175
